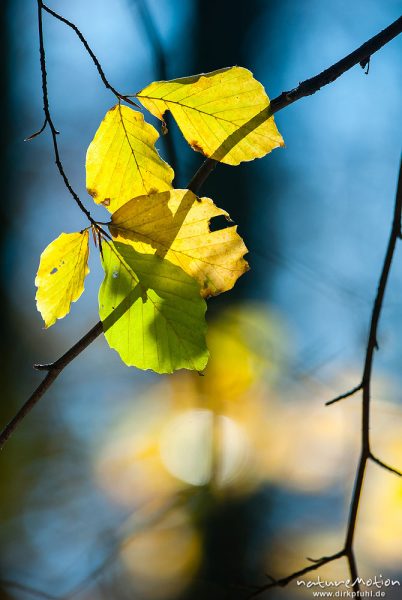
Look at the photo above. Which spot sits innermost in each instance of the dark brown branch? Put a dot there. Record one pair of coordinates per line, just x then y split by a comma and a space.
34, 135
312, 85
351, 392
359, 56
199, 178
49, 121
54, 371
91, 54
286, 580
385, 466
368, 365
365, 453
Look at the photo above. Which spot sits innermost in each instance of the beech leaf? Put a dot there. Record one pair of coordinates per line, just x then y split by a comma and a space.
122, 161
152, 312
175, 225
223, 114
60, 278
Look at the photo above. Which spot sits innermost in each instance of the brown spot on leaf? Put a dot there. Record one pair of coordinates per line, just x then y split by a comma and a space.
195, 146
92, 192
164, 128
106, 202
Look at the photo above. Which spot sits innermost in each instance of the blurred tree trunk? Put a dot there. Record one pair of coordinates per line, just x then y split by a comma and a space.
220, 40
7, 329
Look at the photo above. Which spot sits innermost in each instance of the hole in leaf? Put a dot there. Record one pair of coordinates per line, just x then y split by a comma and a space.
115, 274
219, 222
53, 271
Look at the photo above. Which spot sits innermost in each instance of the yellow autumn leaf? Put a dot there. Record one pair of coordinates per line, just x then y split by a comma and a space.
60, 278
223, 114
122, 161
175, 226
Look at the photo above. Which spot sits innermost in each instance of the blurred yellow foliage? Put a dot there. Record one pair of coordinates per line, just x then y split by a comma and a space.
235, 429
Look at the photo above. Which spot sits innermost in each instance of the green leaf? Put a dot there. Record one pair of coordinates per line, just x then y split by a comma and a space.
152, 312
122, 161
223, 114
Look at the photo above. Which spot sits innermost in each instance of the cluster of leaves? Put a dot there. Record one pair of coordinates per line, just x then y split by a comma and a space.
161, 260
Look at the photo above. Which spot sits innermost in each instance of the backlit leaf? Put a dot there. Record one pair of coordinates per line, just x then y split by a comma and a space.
122, 161
223, 114
60, 278
175, 225
152, 312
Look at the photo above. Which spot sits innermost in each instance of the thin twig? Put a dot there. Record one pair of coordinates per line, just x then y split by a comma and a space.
54, 371
49, 121
199, 178
284, 581
34, 135
365, 453
384, 465
91, 54
367, 371
351, 392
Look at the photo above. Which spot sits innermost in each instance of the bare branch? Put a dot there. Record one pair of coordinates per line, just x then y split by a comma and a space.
367, 371
358, 56
54, 371
284, 581
34, 135
312, 85
91, 54
384, 465
365, 454
351, 392
49, 121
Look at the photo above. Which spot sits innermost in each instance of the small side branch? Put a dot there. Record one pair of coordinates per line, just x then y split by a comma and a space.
385, 466
351, 392
365, 386
54, 371
91, 54
284, 581
49, 121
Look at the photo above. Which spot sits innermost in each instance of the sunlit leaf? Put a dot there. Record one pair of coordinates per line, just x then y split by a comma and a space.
152, 312
175, 225
223, 114
60, 278
122, 161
